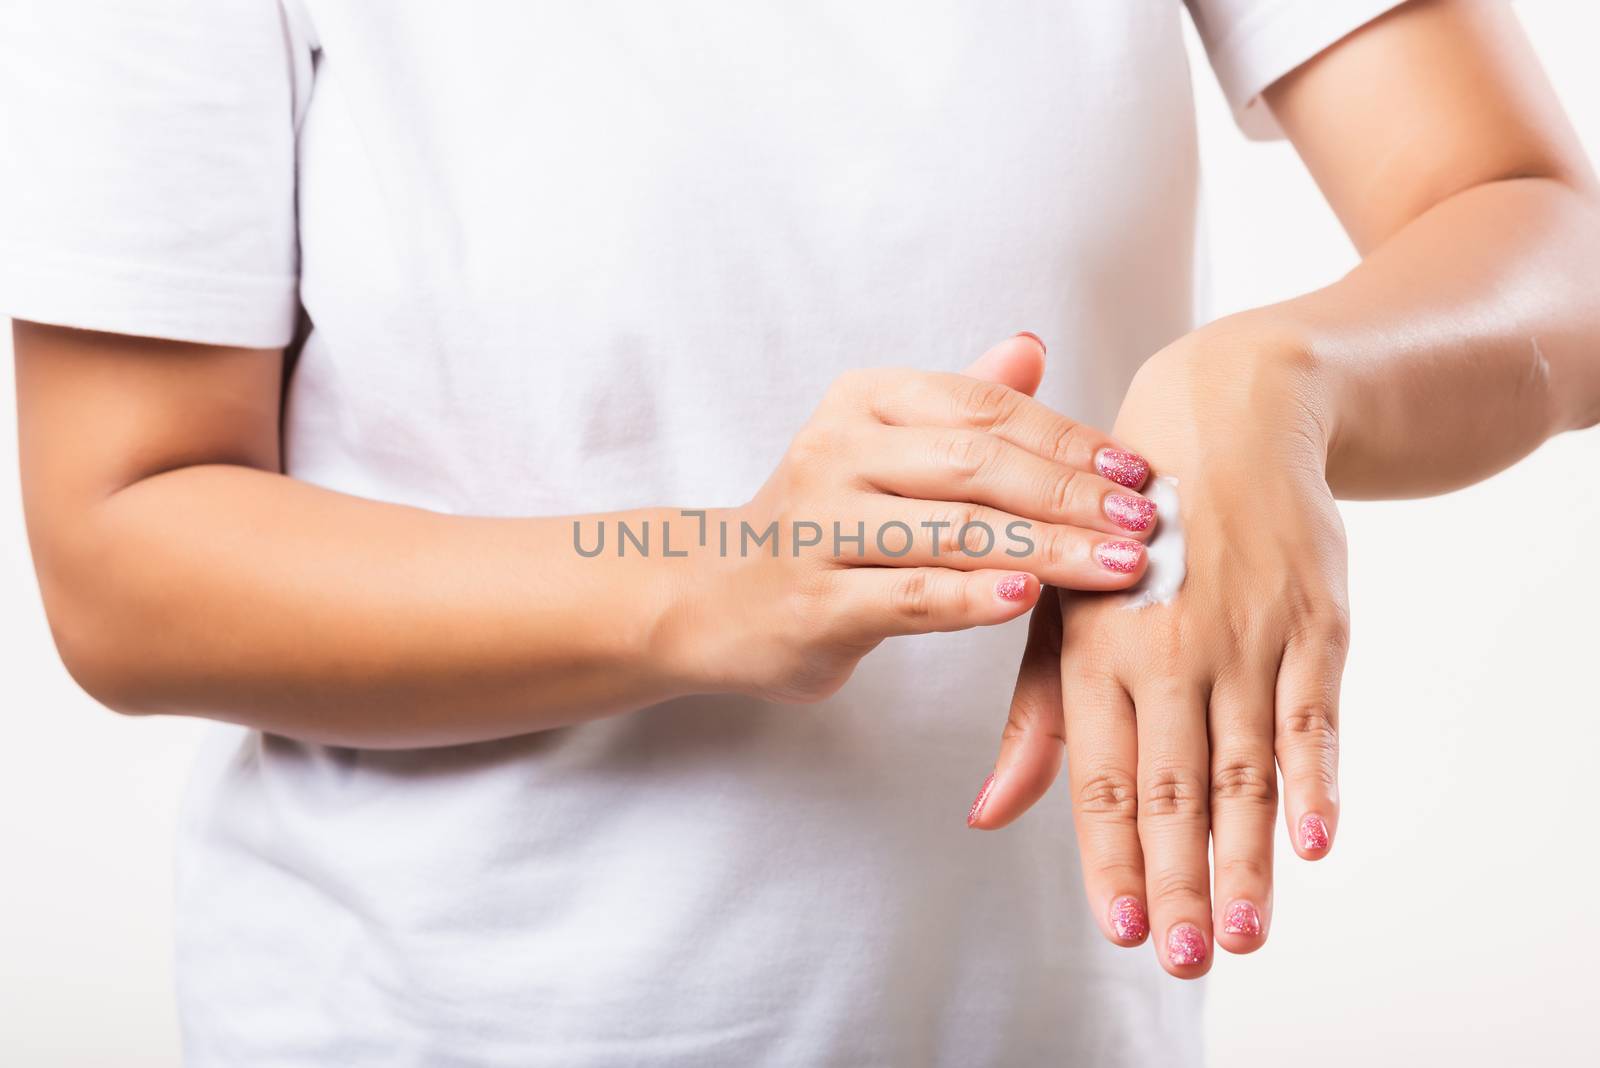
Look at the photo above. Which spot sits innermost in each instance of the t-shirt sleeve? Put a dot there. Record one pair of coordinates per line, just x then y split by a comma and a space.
147, 166
1253, 43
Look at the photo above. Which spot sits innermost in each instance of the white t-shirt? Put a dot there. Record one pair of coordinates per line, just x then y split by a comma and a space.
566, 257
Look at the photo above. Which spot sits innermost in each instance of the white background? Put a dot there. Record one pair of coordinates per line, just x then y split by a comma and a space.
1457, 922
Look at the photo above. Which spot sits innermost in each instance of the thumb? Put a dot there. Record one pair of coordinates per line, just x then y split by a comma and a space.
1017, 362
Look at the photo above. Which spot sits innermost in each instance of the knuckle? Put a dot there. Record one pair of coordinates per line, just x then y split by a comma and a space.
1311, 724
812, 447
1059, 439
1322, 622
1329, 633
1108, 793
1309, 745
1033, 718
1332, 632
807, 625
985, 404
911, 596
964, 454
1174, 791
1052, 546
1112, 872
1244, 871
952, 522
1336, 614
1061, 491
1242, 779
1178, 884
855, 382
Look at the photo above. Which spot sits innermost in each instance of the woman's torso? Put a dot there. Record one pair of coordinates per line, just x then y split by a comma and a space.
567, 258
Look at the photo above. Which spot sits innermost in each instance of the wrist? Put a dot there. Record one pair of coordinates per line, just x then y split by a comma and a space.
1245, 382
686, 616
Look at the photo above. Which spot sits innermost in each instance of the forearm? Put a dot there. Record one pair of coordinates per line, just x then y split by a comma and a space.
331, 618
1459, 344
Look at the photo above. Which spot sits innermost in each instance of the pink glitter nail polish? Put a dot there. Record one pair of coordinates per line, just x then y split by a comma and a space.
977, 805
1128, 921
1120, 556
1313, 833
1012, 588
1242, 919
1124, 468
1185, 944
1036, 337
1130, 513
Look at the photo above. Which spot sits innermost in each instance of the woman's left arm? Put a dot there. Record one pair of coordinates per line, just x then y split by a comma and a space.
1470, 332
1468, 335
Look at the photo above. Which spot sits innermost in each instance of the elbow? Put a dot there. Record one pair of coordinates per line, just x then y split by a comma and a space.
116, 622
98, 653
100, 672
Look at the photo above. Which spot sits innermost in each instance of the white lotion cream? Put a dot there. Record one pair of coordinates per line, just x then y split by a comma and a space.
1165, 550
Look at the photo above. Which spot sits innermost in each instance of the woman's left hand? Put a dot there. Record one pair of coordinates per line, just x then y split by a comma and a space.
1172, 714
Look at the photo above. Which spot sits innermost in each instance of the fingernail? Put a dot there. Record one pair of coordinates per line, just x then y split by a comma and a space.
1124, 468
1128, 921
1242, 919
1130, 513
1186, 945
983, 797
1119, 556
1036, 337
1012, 588
1313, 833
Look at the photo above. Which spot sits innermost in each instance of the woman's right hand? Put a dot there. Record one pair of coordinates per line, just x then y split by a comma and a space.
212, 584
966, 494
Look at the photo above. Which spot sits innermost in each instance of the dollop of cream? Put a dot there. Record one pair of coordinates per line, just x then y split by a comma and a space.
1164, 574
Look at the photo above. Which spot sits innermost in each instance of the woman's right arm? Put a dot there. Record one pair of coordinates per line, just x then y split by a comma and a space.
182, 573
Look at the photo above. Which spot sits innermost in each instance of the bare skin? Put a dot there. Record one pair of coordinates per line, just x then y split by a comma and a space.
1469, 334
182, 573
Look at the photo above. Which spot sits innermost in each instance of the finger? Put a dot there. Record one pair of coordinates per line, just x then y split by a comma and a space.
1102, 764
951, 464
1308, 735
1244, 806
927, 398
1030, 745
1017, 362
882, 602
1174, 821
903, 532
